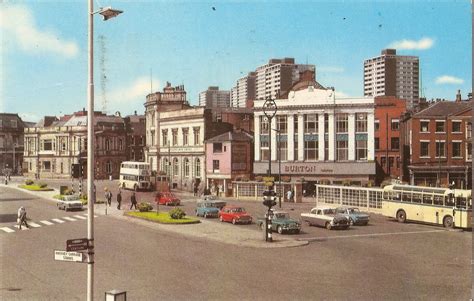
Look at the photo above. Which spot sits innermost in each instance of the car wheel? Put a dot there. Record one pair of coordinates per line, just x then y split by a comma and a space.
328, 226
262, 226
221, 218
234, 221
401, 216
279, 230
308, 223
205, 215
351, 222
448, 222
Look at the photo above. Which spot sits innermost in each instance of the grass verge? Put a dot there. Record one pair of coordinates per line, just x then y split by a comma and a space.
35, 188
161, 217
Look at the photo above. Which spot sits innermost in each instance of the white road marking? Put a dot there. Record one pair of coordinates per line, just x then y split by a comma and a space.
80, 216
88, 215
6, 229
369, 235
22, 227
69, 218
57, 220
47, 223
34, 225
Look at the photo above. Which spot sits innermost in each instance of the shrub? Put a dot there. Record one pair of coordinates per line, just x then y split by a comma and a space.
68, 191
42, 185
259, 178
144, 207
29, 182
177, 213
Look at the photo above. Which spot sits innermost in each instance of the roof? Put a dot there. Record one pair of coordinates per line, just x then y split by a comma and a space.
236, 136
444, 108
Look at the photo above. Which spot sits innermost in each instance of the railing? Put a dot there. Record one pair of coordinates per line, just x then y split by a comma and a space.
369, 199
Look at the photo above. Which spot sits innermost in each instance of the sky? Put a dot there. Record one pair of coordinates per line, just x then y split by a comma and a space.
198, 44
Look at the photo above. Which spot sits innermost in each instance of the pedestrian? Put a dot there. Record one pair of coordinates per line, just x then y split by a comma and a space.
119, 199
288, 195
108, 196
22, 218
133, 200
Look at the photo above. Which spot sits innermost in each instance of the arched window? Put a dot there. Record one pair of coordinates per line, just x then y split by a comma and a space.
197, 168
175, 167
186, 167
108, 167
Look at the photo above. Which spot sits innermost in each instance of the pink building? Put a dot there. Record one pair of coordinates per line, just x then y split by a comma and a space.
228, 157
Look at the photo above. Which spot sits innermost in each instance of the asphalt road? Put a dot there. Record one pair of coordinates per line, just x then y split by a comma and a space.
383, 261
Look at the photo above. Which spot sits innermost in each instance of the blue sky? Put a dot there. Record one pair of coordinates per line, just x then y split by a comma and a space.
200, 44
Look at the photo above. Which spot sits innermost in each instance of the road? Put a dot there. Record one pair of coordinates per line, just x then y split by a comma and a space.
383, 261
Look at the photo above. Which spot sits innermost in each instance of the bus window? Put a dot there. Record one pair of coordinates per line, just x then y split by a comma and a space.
406, 197
460, 202
449, 201
427, 199
416, 198
396, 196
438, 200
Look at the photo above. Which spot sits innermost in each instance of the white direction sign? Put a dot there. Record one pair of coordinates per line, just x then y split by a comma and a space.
67, 256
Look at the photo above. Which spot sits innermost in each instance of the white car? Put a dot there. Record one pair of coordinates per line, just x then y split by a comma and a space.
70, 202
326, 217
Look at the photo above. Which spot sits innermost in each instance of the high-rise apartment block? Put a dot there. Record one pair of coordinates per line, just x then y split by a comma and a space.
213, 97
393, 75
269, 80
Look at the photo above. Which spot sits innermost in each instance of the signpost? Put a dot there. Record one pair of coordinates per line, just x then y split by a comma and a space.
67, 256
78, 244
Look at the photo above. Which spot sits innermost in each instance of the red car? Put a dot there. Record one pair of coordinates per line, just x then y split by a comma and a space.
167, 198
234, 214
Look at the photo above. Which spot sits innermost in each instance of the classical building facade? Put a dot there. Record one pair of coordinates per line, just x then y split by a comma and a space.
440, 145
11, 143
321, 137
388, 143
53, 145
393, 75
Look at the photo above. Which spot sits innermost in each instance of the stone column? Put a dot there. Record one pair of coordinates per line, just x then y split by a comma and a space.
351, 137
300, 137
321, 142
370, 137
256, 138
291, 138
331, 137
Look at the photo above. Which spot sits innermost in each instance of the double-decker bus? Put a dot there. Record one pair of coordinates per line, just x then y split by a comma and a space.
135, 175
441, 206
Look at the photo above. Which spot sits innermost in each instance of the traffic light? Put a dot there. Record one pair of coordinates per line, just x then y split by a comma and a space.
76, 171
269, 198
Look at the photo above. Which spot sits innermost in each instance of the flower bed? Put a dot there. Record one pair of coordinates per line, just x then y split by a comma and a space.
161, 217
35, 187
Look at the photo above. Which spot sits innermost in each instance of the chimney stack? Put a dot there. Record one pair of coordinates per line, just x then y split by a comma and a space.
458, 96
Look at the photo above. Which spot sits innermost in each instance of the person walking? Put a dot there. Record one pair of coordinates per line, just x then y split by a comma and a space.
288, 196
22, 218
119, 199
133, 200
108, 196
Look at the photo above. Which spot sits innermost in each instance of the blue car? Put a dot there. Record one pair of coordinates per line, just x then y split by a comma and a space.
355, 216
207, 209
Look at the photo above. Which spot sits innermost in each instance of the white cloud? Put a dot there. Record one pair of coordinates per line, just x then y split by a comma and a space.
422, 44
340, 94
448, 79
330, 69
18, 22
30, 117
133, 93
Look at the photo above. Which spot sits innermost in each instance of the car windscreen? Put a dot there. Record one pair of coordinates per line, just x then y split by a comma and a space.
238, 210
354, 210
329, 211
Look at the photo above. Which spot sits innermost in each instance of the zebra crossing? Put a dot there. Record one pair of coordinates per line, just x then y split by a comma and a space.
41, 223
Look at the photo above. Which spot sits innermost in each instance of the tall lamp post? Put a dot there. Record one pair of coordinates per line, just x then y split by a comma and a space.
107, 13
279, 167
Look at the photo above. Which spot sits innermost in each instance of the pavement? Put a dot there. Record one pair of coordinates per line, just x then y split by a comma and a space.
219, 232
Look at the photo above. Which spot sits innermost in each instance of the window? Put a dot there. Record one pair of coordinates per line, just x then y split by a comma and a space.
424, 126
152, 133
326, 123
440, 149
391, 162
108, 167
342, 150
282, 153
377, 125
264, 151
164, 135
395, 143
48, 145
311, 150
456, 126
424, 149
108, 144
310, 123
361, 122
175, 136
377, 143
264, 125
456, 149
439, 126
197, 137
468, 130
120, 144
215, 165
185, 136
13, 123
47, 165
217, 147
395, 125
186, 167
469, 151
197, 168
175, 167
383, 161
361, 150
282, 124
342, 123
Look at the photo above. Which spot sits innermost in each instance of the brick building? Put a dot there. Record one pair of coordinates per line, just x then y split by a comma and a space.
388, 111
11, 143
439, 150
135, 142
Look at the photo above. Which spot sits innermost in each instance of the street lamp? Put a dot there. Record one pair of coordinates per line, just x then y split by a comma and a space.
279, 167
107, 13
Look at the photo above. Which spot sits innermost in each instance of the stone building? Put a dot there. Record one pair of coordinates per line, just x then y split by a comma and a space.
11, 143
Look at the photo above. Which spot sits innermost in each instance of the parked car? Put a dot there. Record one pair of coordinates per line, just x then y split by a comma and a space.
216, 201
167, 198
281, 223
235, 215
70, 202
355, 216
207, 209
326, 217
